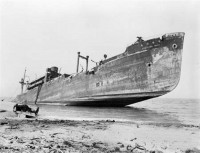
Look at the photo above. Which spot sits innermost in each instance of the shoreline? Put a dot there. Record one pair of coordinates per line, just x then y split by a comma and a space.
53, 134
45, 135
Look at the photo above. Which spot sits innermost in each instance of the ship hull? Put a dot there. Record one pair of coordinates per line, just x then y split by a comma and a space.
105, 101
147, 69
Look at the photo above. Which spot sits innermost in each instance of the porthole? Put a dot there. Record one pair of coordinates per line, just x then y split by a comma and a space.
148, 64
174, 46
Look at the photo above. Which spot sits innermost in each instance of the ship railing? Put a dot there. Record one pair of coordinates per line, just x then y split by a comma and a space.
148, 38
153, 37
162, 35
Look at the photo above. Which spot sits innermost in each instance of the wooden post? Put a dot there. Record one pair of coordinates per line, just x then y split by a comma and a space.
87, 57
77, 62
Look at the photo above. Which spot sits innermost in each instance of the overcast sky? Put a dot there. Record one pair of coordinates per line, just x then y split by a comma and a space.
37, 34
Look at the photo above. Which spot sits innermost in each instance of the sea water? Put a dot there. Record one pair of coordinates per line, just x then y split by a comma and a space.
158, 110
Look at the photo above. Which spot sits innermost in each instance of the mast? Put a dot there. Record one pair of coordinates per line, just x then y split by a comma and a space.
22, 82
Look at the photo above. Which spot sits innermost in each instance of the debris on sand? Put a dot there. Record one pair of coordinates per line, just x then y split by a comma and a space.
2, 111
194, 150
67, 136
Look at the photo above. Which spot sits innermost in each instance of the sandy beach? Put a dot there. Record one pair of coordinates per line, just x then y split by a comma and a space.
20, 134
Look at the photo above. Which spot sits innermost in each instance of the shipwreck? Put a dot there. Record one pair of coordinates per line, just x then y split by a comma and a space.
146, 69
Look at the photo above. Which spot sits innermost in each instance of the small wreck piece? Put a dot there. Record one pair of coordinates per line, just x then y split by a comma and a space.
25, 109
146, 69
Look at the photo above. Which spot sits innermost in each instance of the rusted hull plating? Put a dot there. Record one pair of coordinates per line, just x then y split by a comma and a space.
145, 70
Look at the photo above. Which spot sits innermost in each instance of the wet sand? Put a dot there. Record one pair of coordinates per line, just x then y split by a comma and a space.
19, 134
